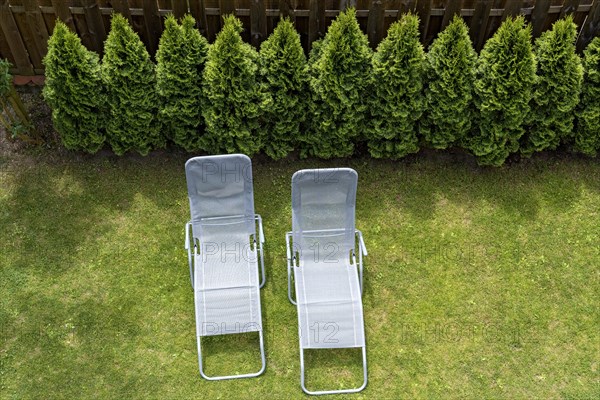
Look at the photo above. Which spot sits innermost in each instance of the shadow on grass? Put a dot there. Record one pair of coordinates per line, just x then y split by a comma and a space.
418, 184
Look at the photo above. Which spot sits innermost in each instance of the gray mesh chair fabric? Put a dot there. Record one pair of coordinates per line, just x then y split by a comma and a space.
322, 262
224, 264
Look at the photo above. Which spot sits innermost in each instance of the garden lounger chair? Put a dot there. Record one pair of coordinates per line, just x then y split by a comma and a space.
321, 255
223, 252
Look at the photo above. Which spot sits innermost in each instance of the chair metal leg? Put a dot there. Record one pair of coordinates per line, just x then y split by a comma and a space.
220, 378
340, 391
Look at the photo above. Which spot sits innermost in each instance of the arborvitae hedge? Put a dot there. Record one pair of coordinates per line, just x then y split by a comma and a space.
397, 101
180, 63
234, 97
73, 90
504, 82
450, 72
587, 132
557, 88
130, 82
340, 75
283, 72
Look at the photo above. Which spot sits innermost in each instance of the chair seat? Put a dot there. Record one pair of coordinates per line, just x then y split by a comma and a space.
330, 313
226, 287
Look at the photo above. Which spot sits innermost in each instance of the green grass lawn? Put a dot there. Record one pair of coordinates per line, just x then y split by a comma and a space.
479, 282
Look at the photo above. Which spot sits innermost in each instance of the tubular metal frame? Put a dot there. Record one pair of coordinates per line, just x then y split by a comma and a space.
192, 254
191, 245
224, 377
293, 262
339, 391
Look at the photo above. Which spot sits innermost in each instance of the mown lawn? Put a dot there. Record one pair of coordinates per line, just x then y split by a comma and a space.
480, 283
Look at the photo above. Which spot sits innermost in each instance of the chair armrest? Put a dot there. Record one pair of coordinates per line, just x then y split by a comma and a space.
187, 236
261, 235
287, 248
361, 242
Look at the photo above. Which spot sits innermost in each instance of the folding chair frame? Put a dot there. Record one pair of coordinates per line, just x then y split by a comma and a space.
224, 377
192, 254
292, 261
191, 245
339, 391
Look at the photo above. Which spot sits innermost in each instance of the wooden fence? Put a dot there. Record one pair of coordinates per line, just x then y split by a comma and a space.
27, 24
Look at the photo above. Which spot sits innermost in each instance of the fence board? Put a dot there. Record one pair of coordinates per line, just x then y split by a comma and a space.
15, 42
286, 9
591, 26
27, 34
452, 8
406, 6
479, 22
227, 6
180, 8
61, 9
538, 17
122, 7
199, 13
512, 8
95, 24
569, 7
258, 22
153, 23
423, 10
37, 26
316, 19
375, 23
5, 50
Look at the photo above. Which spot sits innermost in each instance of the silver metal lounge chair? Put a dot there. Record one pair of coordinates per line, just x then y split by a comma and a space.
223, 250
321, 257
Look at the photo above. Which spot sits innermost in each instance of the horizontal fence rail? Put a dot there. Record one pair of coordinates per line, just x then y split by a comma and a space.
27, 24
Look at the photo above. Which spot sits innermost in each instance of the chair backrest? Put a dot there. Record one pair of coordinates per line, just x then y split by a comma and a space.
323, 208
220, 188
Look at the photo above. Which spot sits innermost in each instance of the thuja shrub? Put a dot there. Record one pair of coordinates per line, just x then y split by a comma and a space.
397, 101
505, 76
234, 97
130, 82
283, 74
556, 92
73, 90
450, 72
180, 61
340, 76
587, 132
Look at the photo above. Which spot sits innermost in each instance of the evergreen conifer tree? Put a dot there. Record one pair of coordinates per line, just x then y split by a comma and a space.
180, 62
556, 92
397, 100
284, 75
235, 100
450, 72
73, 90
340, 76
504, 81
587, 132
130, 82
